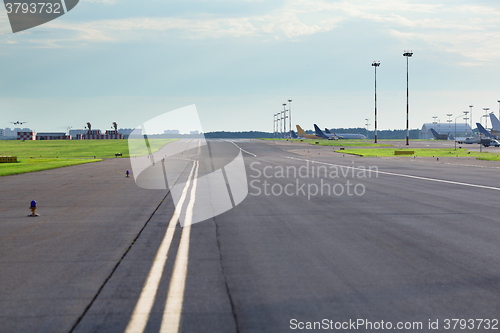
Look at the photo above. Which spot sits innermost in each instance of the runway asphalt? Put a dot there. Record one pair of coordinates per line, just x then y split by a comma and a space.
320, 237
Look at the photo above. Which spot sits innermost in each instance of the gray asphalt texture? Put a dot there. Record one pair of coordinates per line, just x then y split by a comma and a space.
406, 250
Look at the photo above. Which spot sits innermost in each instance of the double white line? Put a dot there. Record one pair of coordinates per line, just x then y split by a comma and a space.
173, 307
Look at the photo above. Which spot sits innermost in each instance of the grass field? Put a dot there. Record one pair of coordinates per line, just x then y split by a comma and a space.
423, 152
42, 155
71, 148
347, 143
339, 143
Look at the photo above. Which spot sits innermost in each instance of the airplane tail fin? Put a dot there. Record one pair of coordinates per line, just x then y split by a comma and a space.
319, 132
433, 131
483, 130
300, 131
495, 123
327, 131
294, 135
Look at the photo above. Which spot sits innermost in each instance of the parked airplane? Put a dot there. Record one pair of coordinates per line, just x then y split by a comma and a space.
468, 140
321, 134
438, 136
495, 124
485, 132
302, 134
333, 136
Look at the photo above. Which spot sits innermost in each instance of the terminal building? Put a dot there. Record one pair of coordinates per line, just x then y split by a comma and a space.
31, 135
462, 130
96, 135
89, 135
53, 136
74, 132
26, 135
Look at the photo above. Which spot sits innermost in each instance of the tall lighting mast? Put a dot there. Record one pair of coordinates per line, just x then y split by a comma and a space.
471, 106
407, 54
278, 124
284, 120
466, 118
375, 64
274, 125
449, 123
486, 117
290, 116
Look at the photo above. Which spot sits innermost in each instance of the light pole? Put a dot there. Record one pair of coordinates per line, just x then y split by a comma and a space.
465, 118
290, 116
456, 131
486, 120
407, 54
449, 123
284, 119
434, 122
278, 124
367, 124
486, 116
274, 125
375, 64
471, 120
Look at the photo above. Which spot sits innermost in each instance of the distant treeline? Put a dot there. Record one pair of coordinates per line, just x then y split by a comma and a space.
381, 134
238, 135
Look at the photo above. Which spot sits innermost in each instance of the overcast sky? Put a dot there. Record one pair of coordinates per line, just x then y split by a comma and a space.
238, 61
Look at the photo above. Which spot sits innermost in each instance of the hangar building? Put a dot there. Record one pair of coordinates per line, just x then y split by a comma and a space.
444, 128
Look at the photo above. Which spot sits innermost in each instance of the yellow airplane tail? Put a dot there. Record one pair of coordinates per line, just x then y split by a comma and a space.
300, 131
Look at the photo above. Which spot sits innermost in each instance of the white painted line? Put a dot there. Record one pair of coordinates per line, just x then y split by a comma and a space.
142, 309
406, 176
242, 149
173, 308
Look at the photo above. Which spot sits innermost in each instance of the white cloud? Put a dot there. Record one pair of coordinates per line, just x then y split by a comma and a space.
108, 2
470, 30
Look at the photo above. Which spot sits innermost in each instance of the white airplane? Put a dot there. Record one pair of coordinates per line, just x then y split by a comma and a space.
468, 140
333, 136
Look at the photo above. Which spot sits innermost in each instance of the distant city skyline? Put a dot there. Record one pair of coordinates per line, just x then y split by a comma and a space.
238, 61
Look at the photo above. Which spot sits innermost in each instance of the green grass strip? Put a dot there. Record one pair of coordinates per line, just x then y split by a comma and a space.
347, 143
71, 148
423, 152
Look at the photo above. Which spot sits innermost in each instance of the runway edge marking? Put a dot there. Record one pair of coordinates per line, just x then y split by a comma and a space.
407, 176
243, 150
